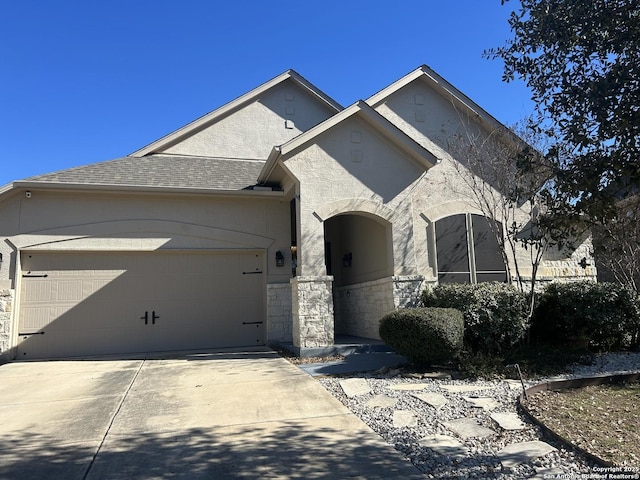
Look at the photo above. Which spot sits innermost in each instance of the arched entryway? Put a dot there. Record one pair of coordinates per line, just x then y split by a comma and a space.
359, 256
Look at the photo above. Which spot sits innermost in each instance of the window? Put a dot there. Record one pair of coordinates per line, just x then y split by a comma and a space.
467, 250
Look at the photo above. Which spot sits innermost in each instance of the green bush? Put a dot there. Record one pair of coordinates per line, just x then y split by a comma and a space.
495, 314
603, 316
426, 336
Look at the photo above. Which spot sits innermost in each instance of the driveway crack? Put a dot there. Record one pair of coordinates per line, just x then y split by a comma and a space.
113, 418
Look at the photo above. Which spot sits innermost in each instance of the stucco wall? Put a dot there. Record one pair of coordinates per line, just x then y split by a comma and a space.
350, 166
252, 131
51, 220
432, 121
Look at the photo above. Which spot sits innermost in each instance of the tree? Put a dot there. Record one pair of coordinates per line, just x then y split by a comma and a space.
617, 244
581, 60
509, 180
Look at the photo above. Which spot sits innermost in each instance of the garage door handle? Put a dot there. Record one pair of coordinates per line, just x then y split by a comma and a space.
145, 318
251, 273
252, 323
153, 317
28, 334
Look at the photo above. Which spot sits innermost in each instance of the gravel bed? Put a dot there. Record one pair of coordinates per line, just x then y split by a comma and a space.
482, 461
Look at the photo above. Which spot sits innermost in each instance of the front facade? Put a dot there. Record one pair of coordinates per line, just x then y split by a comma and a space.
281, 217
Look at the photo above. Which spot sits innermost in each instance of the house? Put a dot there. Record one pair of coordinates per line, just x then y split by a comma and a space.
280, 217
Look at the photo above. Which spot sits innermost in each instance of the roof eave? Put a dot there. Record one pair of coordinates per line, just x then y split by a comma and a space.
143, 189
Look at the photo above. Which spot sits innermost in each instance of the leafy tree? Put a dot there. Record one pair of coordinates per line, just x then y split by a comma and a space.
581, 60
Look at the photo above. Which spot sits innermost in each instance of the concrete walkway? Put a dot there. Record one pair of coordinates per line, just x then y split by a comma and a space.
216, 415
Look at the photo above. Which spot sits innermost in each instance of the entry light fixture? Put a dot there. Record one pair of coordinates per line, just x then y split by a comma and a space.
347, 258
279, 259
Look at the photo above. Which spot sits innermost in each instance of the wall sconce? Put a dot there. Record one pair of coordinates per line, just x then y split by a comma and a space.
279, 259
583, 263
347, 258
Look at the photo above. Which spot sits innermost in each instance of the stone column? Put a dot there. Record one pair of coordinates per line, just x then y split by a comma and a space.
6, 303
312, 311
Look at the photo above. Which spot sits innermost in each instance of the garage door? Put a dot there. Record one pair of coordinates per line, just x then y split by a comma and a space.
109, 303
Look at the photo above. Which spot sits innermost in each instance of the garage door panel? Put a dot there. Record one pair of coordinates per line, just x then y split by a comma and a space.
201, 301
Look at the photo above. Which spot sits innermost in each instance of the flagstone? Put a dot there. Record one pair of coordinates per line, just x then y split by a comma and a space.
404, 418
445, 445
353, 387
468, 428
464, 388
508, 420
486, 403
382, 401
517, 453
436, 400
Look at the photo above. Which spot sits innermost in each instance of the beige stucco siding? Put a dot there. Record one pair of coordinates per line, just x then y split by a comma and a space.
352, 166
252, 131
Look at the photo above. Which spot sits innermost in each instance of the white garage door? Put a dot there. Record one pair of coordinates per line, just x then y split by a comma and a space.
108, 303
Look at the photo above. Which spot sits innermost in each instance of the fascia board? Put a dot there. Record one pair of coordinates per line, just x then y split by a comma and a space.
377, 98
265, 173
304, 83
143, 189
230, 107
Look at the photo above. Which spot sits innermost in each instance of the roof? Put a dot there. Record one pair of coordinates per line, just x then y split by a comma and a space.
232, 106
159, 171
387, 129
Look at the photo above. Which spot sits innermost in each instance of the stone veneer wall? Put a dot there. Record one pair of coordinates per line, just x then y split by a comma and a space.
360, 307
407, 290
6, 305
279, 322
312, 311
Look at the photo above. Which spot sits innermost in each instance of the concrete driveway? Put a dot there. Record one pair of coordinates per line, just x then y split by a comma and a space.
247, 414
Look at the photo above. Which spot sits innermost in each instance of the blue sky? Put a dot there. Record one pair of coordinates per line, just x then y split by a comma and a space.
83, 81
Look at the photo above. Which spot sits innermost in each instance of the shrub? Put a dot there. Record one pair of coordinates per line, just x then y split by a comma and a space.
602, 315
495, 314
426, 336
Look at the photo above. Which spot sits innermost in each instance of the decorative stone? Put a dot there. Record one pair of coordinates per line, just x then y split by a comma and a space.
468, 428
445, 445
436, 400
464, 388
508, 421
517, 453
404, 418
352, 387
382, 401
437, 375
407, 387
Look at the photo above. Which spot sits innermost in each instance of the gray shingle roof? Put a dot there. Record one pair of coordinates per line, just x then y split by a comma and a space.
166, 171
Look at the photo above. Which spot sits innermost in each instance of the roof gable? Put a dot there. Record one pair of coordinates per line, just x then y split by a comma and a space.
439, 84
224, 131
382, 126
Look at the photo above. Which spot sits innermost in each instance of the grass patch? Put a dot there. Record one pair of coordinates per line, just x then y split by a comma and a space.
603, 420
